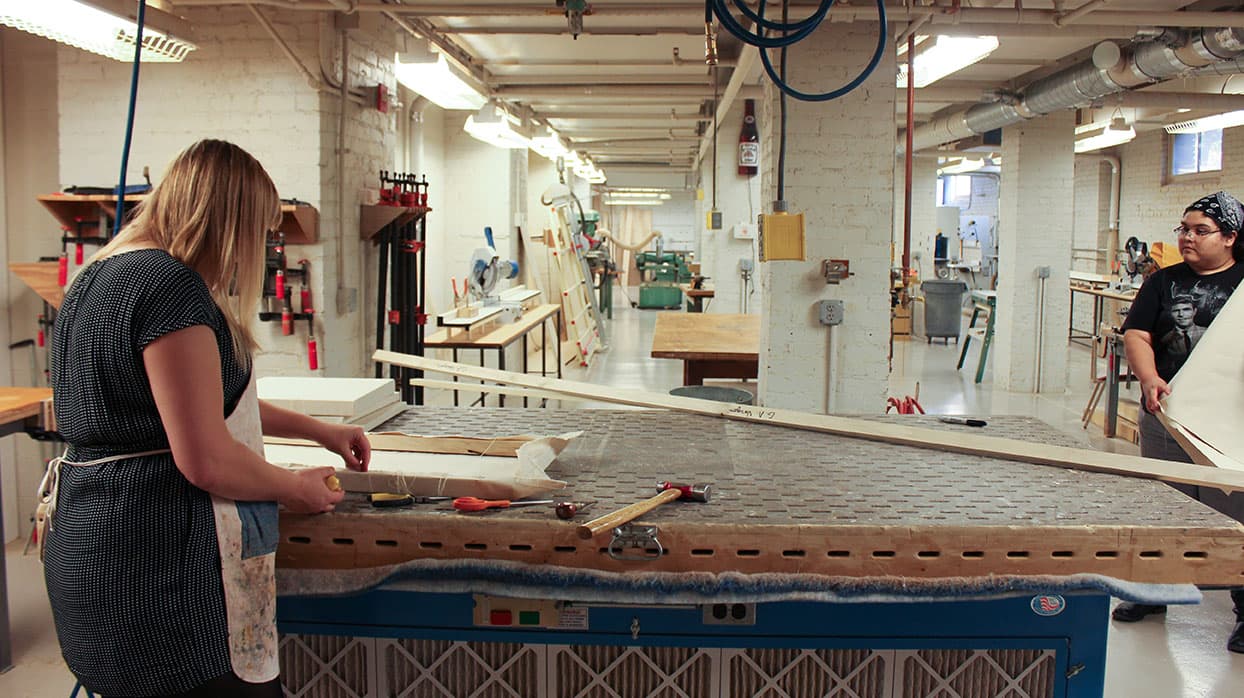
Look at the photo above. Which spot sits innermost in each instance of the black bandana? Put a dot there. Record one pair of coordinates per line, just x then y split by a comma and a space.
1225, 209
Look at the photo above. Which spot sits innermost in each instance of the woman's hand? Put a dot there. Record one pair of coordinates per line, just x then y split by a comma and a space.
1154, 390
348, 441
308, 492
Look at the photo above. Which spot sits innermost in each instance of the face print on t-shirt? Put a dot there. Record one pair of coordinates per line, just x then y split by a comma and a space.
1192, 308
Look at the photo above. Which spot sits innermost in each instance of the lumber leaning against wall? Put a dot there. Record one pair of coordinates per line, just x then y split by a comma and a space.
956, 442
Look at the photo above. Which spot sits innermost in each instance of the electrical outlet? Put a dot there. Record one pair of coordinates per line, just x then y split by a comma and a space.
1043, 272
729, 614
714, 220
830, 312
746, 264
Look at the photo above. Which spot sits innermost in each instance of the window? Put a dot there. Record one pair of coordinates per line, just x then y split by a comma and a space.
954, 190
1196, 152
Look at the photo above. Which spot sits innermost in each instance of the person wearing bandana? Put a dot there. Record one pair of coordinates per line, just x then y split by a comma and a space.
1170, 313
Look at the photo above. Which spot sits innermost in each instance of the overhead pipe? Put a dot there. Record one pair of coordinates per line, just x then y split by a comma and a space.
1091, 6
1109, 71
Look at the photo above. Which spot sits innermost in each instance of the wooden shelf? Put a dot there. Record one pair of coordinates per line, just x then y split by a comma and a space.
375, 217
70, 209
300, 223
42, 278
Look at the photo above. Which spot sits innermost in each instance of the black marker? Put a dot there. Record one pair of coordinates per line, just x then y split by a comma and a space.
967, 421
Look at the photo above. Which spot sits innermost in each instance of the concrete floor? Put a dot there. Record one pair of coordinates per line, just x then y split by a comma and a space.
1182, 656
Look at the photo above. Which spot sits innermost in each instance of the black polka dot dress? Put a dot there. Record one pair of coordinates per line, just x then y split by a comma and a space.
132, 563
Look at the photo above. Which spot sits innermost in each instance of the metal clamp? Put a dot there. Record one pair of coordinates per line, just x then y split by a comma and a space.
629, 538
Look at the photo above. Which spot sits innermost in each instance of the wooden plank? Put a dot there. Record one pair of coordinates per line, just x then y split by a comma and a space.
457, 445
485, 388
346, 397
989, 446
1173, 554
20, 404
706, 336
502, 335
42, 278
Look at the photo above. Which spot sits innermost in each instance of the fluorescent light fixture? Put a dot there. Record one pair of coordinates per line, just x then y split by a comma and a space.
548, 144
89, 28
431, 75
496, 128
1092, 137
632, 202
939, 56
960, 166
1208, 123
651, 194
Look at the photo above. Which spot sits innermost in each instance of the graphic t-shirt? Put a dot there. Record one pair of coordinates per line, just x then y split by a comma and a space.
1175, 305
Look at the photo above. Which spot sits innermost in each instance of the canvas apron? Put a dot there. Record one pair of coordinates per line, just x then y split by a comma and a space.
246, 534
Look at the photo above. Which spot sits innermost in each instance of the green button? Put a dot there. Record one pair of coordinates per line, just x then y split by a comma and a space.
528, 617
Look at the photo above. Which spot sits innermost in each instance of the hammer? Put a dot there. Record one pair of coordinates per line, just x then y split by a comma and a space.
666, 492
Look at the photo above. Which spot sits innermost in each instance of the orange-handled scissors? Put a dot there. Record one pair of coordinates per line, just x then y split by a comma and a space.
477, 504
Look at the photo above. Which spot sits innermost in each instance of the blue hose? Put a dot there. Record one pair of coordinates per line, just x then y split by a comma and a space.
129, 121
796, 31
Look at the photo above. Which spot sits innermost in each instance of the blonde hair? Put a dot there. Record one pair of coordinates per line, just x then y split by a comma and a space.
212, 212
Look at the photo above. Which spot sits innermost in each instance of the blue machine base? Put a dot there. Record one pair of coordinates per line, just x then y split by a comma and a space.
1073, 627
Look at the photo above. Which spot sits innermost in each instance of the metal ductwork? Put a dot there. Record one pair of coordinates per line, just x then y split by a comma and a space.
1162, 55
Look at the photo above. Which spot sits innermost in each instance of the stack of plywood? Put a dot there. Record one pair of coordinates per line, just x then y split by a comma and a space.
367, 402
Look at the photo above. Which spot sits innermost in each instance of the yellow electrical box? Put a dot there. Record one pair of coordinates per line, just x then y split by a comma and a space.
781, 236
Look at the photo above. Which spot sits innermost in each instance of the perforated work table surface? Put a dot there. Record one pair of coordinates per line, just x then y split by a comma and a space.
793, 500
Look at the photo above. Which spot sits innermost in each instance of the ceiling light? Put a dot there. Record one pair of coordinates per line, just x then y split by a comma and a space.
548, 144
650, 194
960, 166
496, 128
1092, 137
1208, 123
430, 75
939, 56
90, 28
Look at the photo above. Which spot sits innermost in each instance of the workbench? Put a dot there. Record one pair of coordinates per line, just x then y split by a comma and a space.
710, 345
500, 336
696, 297
917, 569
19, 407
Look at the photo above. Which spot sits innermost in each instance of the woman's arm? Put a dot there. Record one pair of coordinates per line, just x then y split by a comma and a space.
1138, 346
183, 368
346, 440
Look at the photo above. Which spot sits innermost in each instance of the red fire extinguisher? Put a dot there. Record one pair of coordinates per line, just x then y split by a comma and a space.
749, 141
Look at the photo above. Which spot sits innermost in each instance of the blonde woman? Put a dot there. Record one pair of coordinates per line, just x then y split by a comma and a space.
159, 557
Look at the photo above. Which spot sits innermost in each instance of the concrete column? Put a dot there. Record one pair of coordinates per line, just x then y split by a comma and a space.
739, 200
1035, 233
923, 213
840, 174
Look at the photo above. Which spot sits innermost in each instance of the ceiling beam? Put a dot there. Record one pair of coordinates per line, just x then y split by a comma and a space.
629, 116
655, 91
589, 81
749, 60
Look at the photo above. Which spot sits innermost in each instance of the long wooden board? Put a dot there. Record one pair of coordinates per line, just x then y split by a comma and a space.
993, 447
345, 397
455, 445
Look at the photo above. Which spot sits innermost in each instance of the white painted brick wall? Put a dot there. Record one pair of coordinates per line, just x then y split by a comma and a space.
923, 213
239, 86
840, 173
1036, 230
1152, 207
739, 200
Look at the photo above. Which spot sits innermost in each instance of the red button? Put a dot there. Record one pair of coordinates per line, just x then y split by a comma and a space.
501, 618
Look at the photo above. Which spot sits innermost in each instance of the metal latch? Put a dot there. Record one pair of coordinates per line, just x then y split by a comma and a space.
631, 542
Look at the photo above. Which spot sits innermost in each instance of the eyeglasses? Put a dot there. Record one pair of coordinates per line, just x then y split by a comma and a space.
1181, 231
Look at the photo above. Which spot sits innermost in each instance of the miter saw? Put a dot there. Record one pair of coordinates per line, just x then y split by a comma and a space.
487, 268
1135, 261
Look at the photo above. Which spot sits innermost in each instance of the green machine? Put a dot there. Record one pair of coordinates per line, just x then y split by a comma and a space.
662, 272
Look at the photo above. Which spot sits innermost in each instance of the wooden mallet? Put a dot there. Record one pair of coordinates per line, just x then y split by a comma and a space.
666, 492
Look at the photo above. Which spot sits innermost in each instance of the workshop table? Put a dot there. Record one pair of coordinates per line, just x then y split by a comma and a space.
18, 406
710, 345
836, 509
500, 336
1100, 295
696, 297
